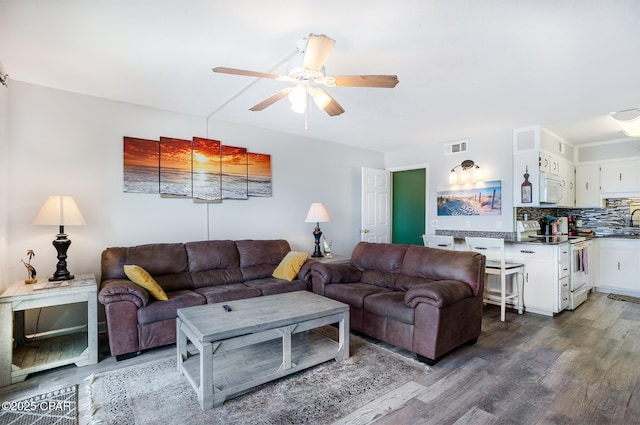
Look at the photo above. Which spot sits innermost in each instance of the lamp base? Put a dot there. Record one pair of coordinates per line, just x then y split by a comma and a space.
61, 244
317, 233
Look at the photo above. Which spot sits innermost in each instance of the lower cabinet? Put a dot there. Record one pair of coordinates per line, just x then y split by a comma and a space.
619, 266
546, 285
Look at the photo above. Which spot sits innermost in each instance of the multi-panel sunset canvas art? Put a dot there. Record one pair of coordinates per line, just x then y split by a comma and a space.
202, 169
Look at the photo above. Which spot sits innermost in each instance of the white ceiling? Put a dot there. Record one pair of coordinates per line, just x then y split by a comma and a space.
466, 67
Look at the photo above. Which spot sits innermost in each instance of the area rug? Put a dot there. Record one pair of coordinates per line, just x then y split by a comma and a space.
59, 407
627, 298
156, 392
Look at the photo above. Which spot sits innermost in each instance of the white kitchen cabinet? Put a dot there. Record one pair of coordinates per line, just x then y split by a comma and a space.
543, 291
588, 186
619, 266
568, 177
537, 150
554, 165
619, 177
564, 274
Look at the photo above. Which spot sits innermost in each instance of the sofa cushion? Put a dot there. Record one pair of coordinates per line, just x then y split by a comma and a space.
164, 310
439, 264
209, 255
380, 263
256, 252
140, 277
272, 285
232, 291
166, 262
352, 293
290, 265
390, 305
259, 258
160, 258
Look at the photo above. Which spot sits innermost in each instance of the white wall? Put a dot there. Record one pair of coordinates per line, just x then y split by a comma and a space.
493, 153
4, 184
66, 143
304, 170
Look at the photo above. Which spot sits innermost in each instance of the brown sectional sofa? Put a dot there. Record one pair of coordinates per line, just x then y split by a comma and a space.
191, 273
425, 300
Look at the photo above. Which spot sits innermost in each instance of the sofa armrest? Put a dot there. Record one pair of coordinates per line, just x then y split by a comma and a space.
440, 293
335, 273
114, 290
304, 274
323, 274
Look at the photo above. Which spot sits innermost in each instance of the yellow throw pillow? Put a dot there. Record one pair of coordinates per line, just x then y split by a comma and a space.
290, 265
139, 276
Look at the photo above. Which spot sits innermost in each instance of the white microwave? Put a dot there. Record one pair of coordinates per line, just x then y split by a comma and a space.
550, 188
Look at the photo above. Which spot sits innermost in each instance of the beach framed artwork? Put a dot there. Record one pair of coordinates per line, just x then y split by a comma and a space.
206, 169
235, 184
175, 167
484, 198
141, 165
259, 174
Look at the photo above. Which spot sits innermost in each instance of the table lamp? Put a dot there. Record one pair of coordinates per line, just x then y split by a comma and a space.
318, 214
60, 211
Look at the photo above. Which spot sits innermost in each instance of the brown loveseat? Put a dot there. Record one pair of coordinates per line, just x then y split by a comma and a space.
425, 300
191, 273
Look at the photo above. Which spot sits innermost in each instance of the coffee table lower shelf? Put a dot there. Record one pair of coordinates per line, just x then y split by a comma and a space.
237, 371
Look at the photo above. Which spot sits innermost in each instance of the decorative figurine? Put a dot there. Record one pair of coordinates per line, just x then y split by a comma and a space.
30, 269
327, 247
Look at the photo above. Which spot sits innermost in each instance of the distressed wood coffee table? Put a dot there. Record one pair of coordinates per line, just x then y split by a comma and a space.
259, 340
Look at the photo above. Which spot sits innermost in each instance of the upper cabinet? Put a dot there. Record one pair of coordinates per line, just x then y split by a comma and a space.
567, 173
619, 177
588, 186
537, 150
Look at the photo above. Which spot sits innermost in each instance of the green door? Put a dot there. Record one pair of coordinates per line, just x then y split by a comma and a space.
408, 209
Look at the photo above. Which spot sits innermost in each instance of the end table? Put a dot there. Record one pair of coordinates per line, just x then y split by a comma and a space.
78, 348
334, 259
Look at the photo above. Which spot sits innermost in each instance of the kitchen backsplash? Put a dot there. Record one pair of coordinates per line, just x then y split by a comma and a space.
612, 219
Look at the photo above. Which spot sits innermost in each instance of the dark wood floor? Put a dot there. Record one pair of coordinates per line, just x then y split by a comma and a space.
580, 367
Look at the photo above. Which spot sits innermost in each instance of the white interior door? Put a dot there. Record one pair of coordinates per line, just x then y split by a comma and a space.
376, 206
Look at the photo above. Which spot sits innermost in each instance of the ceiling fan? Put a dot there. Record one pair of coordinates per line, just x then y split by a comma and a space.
310, 75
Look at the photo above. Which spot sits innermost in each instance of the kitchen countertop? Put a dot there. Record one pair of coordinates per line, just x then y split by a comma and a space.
626, 233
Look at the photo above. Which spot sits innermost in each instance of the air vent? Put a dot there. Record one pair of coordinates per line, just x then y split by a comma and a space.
456, 147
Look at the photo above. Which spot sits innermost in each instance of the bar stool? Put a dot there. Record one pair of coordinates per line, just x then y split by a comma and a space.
439, 241
493, 250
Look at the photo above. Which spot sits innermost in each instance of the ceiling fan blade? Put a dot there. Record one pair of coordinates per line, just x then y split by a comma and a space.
246, 73
382, 81
333, 108
317, 51
269, 101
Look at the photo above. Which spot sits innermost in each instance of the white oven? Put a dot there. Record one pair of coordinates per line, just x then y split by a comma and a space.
579, 281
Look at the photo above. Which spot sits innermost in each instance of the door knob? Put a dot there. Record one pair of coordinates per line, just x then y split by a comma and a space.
365, 230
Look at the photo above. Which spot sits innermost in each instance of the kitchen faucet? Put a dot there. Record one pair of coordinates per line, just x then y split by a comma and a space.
631, 218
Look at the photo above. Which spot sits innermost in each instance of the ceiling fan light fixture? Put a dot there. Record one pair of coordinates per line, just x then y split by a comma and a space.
321, 98
629, 120
298, 99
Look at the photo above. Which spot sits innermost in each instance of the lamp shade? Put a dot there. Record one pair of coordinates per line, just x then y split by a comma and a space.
317, 213
59, 211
